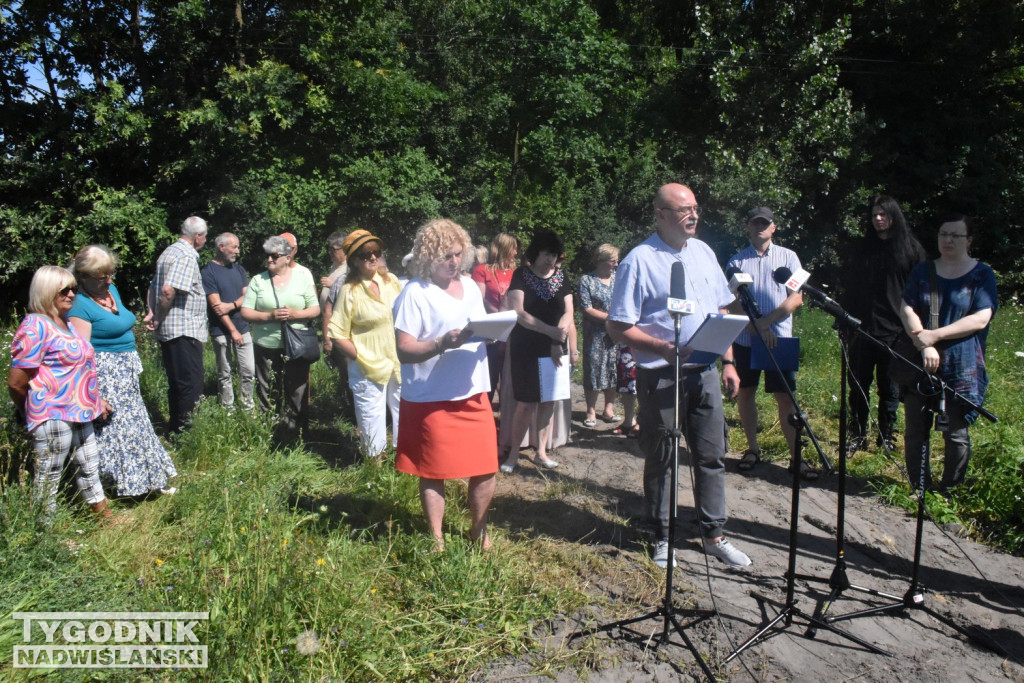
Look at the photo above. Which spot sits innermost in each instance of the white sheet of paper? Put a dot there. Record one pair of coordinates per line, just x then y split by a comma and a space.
714, 337
554, 380
494, 326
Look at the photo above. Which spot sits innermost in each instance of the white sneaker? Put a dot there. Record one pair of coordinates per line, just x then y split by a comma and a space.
660, 554
728, 553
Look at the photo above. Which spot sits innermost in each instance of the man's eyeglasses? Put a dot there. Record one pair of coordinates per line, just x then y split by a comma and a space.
684, 210
369, 255
951, 236
274, 257
72, 289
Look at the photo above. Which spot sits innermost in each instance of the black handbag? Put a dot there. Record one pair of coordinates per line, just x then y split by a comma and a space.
902, 373
300, 343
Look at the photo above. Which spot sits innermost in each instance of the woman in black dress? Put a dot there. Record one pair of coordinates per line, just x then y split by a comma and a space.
541, 296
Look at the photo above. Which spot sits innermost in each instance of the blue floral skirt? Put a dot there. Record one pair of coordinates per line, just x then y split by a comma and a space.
133, 462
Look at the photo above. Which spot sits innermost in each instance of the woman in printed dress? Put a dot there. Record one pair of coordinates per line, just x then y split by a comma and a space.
132, 459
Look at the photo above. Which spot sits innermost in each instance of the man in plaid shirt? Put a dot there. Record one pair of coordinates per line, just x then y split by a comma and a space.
179, 320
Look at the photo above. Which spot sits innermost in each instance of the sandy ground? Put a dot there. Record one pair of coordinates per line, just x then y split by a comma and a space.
593, 500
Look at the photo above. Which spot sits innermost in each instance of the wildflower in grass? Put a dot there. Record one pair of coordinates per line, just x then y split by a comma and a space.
242, 529
158, 561
307, 643
320, 561
284, 544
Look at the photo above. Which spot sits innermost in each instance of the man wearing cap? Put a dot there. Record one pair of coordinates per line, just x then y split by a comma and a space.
759, 260
179, 320
639, 318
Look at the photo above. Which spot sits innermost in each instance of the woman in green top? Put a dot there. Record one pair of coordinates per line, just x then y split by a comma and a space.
282, 295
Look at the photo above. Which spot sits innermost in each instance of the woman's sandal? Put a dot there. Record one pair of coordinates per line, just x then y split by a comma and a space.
807, 473
749, 459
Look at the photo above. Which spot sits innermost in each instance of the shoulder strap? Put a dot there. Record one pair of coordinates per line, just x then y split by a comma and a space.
933, 319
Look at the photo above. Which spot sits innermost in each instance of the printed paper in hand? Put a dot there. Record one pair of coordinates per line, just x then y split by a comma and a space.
554, 380
493, 326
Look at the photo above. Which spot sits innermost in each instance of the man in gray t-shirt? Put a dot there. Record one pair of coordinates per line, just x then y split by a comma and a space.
640, 319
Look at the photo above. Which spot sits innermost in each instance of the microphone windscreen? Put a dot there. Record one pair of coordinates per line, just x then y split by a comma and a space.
782, 275
677, 286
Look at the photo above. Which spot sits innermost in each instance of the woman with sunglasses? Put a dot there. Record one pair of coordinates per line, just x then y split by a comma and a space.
55, 391
952, 349
282, 295
363, 328
134, 461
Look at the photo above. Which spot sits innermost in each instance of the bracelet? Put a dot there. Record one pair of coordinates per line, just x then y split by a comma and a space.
726, 361
438, 349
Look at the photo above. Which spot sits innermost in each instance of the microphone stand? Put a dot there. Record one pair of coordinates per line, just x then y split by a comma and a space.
788, 610
667, 611
839, 581
914, 597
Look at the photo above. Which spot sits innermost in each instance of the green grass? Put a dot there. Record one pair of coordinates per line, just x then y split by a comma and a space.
275, 542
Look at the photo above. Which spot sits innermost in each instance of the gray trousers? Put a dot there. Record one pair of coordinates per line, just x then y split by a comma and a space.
223, 347
918, 433
703, 424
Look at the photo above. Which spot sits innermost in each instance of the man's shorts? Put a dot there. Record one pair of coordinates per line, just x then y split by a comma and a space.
774, 382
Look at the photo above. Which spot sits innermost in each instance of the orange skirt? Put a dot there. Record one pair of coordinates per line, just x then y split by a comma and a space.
447, 439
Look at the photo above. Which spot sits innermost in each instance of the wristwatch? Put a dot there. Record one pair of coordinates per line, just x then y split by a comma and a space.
726, 361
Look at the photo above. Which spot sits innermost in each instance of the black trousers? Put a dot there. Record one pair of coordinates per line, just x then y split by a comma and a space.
183, 362
867, 363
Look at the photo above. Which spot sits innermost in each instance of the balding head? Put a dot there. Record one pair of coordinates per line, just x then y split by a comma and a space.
676, 213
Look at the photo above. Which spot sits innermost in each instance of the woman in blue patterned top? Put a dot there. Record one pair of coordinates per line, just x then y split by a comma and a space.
954, 351
132, 459
600, 353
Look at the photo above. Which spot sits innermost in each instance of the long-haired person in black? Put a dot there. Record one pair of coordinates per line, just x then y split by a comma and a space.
873, 278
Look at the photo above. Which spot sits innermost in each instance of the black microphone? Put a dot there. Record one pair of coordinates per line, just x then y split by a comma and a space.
739, 284
677, 301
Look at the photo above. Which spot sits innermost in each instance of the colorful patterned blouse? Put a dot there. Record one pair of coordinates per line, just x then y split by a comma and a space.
64, 387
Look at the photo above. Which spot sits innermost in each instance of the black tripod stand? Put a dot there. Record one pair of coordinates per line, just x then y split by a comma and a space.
839, 581
667, 611
914, 597
788, 610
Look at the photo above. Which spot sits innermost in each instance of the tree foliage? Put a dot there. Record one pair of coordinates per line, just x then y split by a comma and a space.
118, 118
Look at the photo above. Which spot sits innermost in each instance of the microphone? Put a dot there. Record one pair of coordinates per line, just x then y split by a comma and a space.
739, 284
798, 283
678, 304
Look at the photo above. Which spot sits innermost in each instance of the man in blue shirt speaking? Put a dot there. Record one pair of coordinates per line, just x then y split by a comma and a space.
639, 317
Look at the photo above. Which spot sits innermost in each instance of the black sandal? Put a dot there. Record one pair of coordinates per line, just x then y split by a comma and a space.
807, 473
749, 459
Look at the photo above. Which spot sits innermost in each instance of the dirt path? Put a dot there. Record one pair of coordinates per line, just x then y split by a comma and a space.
592, 498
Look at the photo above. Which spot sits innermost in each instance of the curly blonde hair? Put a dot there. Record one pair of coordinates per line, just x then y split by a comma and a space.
433, 240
